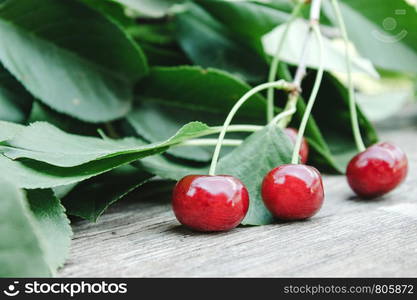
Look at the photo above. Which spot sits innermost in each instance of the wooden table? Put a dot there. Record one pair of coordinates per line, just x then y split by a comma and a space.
349, 237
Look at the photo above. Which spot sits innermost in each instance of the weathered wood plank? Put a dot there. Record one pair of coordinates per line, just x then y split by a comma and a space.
348, 237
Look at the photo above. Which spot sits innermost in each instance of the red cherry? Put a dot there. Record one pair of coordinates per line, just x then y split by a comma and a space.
293, 192
210, 203
304, 150
377, 170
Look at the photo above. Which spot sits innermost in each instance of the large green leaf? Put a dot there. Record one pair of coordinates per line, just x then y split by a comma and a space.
153, 8
70, 57
83, 157
247, 18
171, 97
22, 253
167, 168
53, 224
293, 46
9, 130
112, 10
217, 46
92, 197
159, 43
15, 102
282, 5
33, 174
42, 113
382, 30
43, 142
32, 244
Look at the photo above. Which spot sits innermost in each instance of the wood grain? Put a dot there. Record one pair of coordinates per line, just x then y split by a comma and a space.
349, 237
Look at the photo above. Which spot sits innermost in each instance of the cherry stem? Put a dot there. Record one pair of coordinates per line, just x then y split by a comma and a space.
313, 96
240, 128
352, 101
281, 84
276, 59
232, 128
283, 115
210, 142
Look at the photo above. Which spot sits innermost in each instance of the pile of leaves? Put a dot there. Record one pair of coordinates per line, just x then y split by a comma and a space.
97, 96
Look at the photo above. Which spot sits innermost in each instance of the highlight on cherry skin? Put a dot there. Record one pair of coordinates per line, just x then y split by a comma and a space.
293, 192
292, 133
210, 203
377, 170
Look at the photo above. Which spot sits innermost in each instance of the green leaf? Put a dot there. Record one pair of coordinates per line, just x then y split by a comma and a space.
33, 174
22, 253
42, 113
43, 142
92, 197
382, 98
382, 30
77, 158
112, 10
170, 97
33, 243
53, 224
291, 51
166, 168
217, 46
282, 5
14, 100
70, 57
163, 56
159, 43
246, 18
153, 8
381, 106
9, 130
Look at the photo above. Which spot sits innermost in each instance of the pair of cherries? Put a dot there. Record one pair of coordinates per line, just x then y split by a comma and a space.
290, 192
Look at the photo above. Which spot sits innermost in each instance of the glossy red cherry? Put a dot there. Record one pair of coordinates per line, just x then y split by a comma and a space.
304, 150
210, 203
377, 170
293, 192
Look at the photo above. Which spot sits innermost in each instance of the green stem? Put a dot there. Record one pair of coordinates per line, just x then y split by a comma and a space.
281, 84
209, 142
276, 59
284, 114
231, 128
313, 96
299, 75
302, 66
290, 106
240, 128
352, 101
102, 134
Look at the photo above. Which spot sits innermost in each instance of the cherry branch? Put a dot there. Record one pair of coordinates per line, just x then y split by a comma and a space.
302, 66
276, 59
